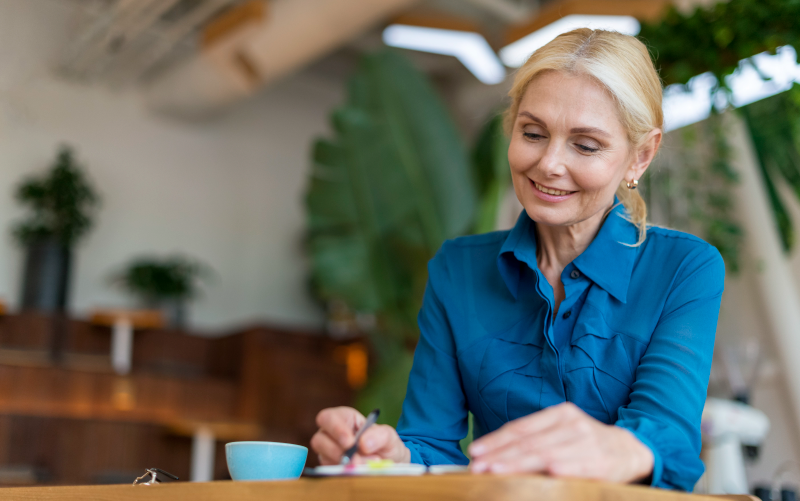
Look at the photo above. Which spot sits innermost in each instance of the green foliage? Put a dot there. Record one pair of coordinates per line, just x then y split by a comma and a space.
712, 209
154, 279
393, 183
492, 172
774, 125
716, 38
61, 202
387, 388
690, 188
385, 192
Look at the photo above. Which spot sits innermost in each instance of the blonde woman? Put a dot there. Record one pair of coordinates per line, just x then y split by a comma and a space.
581, 339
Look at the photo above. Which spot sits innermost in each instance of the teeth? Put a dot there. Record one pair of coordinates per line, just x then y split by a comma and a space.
549, 191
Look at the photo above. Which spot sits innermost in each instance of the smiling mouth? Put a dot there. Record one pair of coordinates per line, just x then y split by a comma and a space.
551, 191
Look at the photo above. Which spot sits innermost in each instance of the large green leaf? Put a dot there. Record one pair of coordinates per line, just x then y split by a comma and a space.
385, 192
492, 172
387, 389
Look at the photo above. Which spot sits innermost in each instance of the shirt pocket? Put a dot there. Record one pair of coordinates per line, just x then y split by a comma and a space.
602, 366
509, 381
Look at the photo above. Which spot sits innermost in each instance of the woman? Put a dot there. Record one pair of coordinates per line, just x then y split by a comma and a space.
581, 340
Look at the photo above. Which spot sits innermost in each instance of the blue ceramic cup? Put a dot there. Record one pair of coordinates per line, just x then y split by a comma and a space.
265, 460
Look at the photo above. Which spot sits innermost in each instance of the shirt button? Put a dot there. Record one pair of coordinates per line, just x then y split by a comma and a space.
566, 314
575, 274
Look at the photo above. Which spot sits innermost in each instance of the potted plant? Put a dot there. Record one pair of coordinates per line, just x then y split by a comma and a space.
392, 183
164, 283
62, 204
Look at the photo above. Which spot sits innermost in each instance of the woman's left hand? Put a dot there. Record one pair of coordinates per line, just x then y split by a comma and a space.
563, 441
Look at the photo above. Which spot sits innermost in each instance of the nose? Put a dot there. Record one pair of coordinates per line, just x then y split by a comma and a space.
553, 163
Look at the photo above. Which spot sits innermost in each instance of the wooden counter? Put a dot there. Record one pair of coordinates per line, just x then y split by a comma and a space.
426, 488
78, 423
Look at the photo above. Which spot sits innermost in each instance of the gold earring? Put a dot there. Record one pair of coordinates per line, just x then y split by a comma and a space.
633, 185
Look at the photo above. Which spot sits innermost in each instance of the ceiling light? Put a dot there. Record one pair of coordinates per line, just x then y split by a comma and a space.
470, 48
516, 53
686, 105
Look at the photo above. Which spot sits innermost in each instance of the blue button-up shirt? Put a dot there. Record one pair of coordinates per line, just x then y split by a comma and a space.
631, 344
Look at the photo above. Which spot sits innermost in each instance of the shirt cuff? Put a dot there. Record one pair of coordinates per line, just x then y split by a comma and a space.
658, 464
416, 457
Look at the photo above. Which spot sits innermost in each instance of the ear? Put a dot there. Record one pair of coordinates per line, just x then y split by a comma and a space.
644, 155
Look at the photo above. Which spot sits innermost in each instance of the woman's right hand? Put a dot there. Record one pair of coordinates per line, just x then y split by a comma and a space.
337, 431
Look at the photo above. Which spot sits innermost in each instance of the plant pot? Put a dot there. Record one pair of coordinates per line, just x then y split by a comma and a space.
174, 313
45, 284
173, 310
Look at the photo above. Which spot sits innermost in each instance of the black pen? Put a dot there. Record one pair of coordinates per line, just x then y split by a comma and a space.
348, 454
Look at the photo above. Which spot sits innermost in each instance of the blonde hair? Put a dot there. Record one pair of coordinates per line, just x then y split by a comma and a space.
622, 65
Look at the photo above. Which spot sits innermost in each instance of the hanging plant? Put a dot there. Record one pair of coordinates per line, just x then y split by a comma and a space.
719, 39
715, 38
689, 187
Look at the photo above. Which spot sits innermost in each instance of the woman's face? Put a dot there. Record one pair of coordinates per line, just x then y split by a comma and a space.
569, 151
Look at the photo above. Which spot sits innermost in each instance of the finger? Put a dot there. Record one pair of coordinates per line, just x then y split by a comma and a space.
347, 416
575, 465
329, 451
378, 440
340, 423
569, 455
574, 469
577, 461
538, 443
512, 431
525, 464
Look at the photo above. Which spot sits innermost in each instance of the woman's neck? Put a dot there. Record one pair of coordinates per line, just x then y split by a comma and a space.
557, 246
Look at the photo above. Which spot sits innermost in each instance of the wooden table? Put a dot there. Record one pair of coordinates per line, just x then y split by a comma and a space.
426, 488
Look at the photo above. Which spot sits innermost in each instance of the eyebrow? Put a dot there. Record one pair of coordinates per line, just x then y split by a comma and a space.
575, 130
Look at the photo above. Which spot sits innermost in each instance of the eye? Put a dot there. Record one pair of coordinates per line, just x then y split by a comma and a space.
587, 149
532, 135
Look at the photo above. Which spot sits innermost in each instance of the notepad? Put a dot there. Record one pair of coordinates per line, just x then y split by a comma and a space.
382, 468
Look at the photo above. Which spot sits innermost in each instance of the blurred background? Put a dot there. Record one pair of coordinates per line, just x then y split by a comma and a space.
215, 215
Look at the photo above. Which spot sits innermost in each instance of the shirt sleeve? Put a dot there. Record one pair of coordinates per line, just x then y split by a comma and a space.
669, 391
434, 417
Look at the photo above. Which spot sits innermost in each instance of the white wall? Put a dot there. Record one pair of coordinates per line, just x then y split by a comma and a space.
228, 191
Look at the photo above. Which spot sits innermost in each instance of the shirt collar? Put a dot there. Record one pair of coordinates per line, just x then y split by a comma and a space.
608, 261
